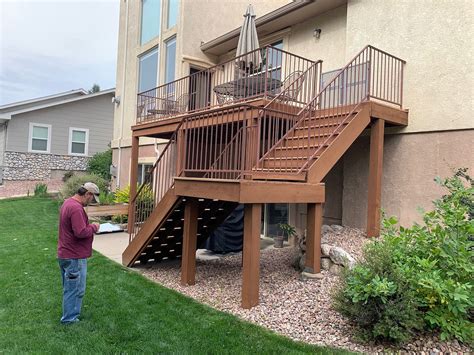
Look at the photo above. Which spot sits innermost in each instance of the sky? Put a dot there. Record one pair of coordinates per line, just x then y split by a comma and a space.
52, 46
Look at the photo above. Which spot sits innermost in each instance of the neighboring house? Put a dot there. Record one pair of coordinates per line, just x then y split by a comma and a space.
226, 137
42, 139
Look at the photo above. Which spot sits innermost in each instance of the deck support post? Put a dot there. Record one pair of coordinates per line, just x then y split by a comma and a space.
375, 178
313, 238
133, 181
251, 255
188, 261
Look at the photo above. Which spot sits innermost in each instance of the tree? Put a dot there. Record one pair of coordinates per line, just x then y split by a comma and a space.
95, 88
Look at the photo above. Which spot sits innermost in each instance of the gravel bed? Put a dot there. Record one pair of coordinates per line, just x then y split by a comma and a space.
300, 310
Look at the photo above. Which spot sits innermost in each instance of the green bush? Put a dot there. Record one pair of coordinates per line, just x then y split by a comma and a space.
419, 277
72, 185
41, 190
100, 163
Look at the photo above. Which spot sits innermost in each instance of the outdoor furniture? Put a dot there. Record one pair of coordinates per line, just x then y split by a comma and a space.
291, 86
171, 107
244, 87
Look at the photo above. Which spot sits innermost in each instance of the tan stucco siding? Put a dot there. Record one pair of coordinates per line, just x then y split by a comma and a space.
435, 38
331, 45
410, 163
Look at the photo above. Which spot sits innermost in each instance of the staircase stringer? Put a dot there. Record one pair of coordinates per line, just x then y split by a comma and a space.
329, 157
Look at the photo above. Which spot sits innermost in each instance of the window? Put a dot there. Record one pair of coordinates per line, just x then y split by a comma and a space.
170, 64
148, 70
172, 12
144, 173
273, 62
39, 138
272, 215
151, 20
78, 141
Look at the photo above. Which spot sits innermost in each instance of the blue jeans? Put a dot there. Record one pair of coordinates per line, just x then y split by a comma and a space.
73, 274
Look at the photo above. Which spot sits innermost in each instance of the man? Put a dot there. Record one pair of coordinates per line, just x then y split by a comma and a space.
74, 247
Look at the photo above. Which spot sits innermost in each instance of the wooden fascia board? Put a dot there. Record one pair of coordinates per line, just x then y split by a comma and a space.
251, 191
389, 114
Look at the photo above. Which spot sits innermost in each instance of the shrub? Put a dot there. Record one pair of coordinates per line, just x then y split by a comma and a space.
41, 190
418, 277
73, 184
100, 163
122, 195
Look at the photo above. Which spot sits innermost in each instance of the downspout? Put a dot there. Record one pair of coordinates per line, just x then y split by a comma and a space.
124, 74
3, 150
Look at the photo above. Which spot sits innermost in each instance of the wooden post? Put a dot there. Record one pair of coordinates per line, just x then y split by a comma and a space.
313, 238
375, 178
188, 261
133, 181
251, 255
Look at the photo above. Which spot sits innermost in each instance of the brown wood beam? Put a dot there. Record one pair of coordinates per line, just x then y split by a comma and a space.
251, 255
133, 181
188, 261
375, 178
313, 237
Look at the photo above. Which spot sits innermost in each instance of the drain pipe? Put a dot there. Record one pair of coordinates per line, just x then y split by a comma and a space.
124, 74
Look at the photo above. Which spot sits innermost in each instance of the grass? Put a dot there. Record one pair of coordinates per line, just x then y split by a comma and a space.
122, 312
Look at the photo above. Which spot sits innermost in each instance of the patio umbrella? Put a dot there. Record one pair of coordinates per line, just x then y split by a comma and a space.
248, 42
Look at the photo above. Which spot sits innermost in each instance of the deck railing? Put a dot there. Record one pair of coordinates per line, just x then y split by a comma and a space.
233, 141
226, 83
371, 74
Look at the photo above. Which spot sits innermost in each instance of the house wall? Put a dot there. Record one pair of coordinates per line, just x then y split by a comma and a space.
410, 163
95, 114
2, 148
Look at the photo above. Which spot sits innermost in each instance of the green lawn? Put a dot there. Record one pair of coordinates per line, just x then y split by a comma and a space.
122, 311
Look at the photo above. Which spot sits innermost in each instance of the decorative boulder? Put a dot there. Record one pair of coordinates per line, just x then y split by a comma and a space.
337, 228
336, 269
325, 249
326, 229
326, 263
341, 257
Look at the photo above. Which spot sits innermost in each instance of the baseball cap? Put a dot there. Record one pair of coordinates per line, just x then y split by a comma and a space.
92, 188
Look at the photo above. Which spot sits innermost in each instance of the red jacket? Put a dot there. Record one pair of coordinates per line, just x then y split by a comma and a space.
75, 232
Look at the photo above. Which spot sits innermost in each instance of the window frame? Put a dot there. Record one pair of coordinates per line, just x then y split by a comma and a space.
140, 32
86, 143
143, 56
142, 169
30, 138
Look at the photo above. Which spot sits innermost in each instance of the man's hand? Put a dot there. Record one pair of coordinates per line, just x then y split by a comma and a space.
97, 225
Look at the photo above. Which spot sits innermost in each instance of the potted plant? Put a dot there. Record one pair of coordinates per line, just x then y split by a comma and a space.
287, 230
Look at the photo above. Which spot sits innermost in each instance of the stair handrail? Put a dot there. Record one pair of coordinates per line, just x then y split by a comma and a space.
262, 111
316, 101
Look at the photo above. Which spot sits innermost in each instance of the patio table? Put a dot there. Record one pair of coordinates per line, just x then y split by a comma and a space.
248, 86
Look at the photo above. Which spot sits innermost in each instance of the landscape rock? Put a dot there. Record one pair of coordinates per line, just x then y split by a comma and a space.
326, 263
341, 257
336, 269
310, 276
326, 229
337, 228
325, 249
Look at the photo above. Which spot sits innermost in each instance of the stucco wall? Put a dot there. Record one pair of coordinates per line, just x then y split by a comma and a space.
410, 163
435, 38
331, 45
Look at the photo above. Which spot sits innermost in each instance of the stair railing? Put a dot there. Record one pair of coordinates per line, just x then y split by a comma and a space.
372, 73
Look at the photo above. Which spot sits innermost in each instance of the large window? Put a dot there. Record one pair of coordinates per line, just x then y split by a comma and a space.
170, 60
148, 70
172, 12
272, 215
39, 138
78, 141
151, 20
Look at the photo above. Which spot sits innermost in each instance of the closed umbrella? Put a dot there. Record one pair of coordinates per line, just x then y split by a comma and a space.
248, 42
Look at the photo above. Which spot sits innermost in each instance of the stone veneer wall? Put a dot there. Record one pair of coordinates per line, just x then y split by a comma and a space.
37, 166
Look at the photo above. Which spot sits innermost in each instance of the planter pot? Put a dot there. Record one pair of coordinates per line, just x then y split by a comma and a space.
278, 242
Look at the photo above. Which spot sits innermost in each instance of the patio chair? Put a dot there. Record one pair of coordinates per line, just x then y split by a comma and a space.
291, 86
178, 106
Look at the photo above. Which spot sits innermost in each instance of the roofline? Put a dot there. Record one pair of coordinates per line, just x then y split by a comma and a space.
271, 16
56, 103
24, 102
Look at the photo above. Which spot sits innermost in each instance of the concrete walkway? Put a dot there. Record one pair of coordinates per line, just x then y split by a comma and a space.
111, 245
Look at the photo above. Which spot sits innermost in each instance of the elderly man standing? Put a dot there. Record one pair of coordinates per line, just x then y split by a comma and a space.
74, 247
